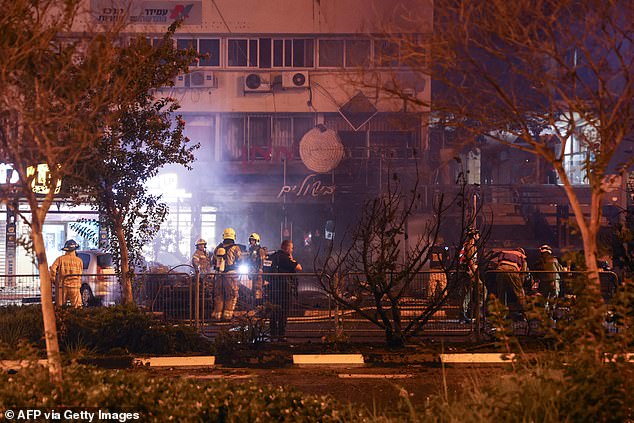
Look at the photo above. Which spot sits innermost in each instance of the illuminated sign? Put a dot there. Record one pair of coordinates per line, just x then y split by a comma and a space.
166, 185
42, 179
309, 187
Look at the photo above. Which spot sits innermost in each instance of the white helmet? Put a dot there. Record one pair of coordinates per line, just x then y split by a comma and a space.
546, 249
229, 233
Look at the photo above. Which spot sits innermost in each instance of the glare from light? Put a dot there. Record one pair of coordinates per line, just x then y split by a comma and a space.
243, 269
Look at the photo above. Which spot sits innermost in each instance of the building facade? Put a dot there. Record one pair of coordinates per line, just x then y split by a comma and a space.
291, 139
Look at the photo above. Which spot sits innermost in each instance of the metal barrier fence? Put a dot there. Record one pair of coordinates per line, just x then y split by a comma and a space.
19, 289
432, 304
169, 295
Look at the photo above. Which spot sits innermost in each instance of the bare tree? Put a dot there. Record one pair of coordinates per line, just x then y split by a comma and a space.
549, 77
384, 267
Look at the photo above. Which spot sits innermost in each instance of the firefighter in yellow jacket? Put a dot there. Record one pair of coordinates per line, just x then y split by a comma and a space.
66, 271
226, 260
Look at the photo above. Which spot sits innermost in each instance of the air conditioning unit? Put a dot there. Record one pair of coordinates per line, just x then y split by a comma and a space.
201, 79
179, 81
297, 79
196, 79
257, 82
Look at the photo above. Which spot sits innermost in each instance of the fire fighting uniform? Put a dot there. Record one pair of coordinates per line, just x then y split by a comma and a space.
468, 263
256, 256
437, 276
549, 283
62, 269
226, 258
201, 261
509, 281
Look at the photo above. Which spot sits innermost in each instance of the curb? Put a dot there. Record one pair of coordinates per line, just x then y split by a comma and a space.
194, 361
477, 358
19, 364
328, 359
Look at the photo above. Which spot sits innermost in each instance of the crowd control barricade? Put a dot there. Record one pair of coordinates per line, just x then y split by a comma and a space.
19, 289
168, 295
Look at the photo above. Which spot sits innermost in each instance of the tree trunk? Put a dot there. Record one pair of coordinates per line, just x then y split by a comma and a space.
589, 229
126, 282
48, 312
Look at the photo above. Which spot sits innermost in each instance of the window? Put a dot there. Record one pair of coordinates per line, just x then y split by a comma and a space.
297, 52
575, 155
254, 52
287, 133
357, 53
237, 53
395, 144
349, 53
209, 49
331, 53
259, 137
263, 137
233, 138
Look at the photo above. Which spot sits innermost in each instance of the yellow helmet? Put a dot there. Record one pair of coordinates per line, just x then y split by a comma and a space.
201, 242
229, 233
255, 236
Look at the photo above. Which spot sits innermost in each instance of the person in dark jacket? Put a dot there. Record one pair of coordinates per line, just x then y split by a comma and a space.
281, 288
549, 283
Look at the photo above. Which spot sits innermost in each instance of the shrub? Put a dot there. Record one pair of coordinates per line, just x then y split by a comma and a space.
21, 324
126, 328
102, 330
584, 377
160, 399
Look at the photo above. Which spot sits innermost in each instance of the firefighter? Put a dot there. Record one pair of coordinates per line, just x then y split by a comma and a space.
68, 269
468, 263
226, 259
201, 260
549, 283
437, 277
509, 282
255, 257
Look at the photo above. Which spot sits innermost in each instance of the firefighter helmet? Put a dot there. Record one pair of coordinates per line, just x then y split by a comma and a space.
70, 245
201, 242
471, 232
255, 236
229, 233
546, 249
